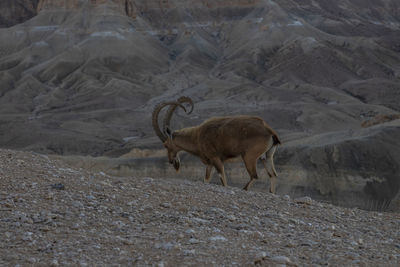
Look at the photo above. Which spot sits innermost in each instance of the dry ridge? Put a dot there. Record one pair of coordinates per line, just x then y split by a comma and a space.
52, 214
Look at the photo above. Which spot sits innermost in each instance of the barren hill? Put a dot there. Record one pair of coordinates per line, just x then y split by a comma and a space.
82, 77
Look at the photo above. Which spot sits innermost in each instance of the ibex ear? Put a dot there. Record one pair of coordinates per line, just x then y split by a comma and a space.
167, 132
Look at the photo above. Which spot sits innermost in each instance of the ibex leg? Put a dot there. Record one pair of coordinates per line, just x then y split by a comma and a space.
221, 171
208, 173
270, 168
250, 160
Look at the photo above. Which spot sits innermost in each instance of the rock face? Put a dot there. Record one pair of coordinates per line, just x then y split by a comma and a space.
82, 77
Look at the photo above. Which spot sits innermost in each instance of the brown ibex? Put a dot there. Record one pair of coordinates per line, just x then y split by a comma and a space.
219, 139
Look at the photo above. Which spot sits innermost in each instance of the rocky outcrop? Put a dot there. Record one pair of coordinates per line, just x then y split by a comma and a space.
379, 119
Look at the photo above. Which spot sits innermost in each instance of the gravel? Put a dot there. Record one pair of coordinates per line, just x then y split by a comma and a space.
54, 215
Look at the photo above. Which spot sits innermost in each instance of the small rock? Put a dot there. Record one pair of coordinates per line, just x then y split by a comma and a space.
290, 245
27, 236
189, 252
166, 205
127, 241
44, 229
77, 204
303, 200
260, 257
132, 203
58, 186
54, 263
308, 243
241, 226
91, 197
193, 241
190, 231
231, 218
218, 238
26, 219
119, 224
166, 246
286, 197
283, 260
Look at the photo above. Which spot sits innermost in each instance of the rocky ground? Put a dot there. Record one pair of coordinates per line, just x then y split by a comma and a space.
52, 214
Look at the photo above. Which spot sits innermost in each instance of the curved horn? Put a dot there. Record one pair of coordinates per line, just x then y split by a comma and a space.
155, 115
171, 110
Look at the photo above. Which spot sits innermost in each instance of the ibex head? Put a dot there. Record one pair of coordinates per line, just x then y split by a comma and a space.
166, 136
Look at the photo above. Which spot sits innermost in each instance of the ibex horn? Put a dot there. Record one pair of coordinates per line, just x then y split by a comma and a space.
171, 110
155, 115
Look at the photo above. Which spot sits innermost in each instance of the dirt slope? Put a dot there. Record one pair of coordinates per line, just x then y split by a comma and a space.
54, 215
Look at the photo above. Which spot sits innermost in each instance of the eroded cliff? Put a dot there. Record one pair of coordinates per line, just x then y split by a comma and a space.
82, 77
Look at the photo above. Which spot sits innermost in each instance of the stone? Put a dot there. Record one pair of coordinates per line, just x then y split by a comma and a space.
303, 200
58, 186
54, 262
283, 260
261, 256
166, 205
27, 236
194, 241
218, 238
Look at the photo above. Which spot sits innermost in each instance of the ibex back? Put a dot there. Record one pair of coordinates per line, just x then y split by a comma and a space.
219, 139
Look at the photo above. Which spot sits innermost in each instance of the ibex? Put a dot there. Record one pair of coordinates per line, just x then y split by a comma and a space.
219, 139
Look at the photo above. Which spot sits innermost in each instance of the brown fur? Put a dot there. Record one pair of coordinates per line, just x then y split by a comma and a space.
219, 139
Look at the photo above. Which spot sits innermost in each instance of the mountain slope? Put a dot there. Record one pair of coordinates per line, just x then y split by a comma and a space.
82, 77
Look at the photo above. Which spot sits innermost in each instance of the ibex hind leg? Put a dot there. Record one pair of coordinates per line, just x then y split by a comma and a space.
250, 161
268, 163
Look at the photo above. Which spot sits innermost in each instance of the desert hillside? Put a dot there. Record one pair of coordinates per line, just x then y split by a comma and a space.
55, 215
82, 78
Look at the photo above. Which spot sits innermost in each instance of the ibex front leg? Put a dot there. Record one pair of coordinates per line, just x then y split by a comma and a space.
220, 169
208, 173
